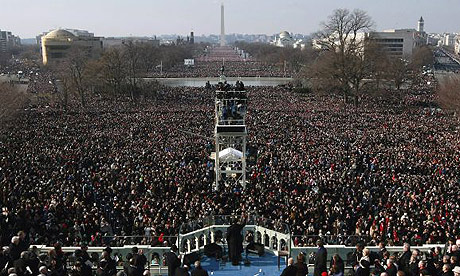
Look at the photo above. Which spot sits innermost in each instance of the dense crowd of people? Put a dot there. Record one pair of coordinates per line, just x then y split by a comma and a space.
208, 65
385, 170
202, 69
117, 173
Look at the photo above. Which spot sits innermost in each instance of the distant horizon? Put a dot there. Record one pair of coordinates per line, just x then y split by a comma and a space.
199, 35
121, 18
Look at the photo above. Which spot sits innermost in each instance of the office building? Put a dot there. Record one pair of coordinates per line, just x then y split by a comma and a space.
57, 44
8, 41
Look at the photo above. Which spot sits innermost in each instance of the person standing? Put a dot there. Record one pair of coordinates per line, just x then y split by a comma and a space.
364, 264
199, 270
337, 266
302, 268
172, 260
403, 262
391, 268
290, 270
182, 271
321, 259
235, 242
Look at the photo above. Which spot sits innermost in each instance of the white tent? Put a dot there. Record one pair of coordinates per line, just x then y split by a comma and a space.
230, 154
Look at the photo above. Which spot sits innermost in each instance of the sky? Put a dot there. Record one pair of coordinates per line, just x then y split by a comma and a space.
28, 18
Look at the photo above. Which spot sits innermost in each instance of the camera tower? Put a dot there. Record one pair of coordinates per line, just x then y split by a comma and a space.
230, 135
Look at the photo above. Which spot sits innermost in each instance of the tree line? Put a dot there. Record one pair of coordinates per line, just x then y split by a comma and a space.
118, 72
344, 60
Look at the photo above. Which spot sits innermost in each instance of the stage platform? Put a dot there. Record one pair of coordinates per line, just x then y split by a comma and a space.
268, 264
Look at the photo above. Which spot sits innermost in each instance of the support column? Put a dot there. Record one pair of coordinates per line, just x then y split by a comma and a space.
189, 246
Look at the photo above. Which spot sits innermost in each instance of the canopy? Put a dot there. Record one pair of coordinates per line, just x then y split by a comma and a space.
230, 154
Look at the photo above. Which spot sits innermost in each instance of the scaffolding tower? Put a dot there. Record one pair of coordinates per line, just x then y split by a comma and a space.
230, 135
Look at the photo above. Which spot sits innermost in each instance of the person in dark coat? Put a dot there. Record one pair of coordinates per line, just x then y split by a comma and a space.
423, 268
302, 268
141, 259
15, 249
447, 271
321, 259
172, 260
4, 260
391, 269
76, 270
23, 242
412, 269
235, 242
181, 271
403, 262
382, 250
20, 265
199, 270
107, 265
356, 256
291, 269
364, 264
132, 269
337, 265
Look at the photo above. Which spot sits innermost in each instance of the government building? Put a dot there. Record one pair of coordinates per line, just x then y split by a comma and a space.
57, 44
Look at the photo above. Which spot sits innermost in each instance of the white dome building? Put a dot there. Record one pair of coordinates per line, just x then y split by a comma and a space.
284, 39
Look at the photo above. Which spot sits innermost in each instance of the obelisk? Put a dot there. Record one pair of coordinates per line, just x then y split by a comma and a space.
222, 26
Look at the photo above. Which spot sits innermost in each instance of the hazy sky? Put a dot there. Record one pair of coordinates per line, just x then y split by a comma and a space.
27, 18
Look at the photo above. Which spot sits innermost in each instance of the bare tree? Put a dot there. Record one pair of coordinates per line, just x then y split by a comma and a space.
397, 71
422, 56
114, 69
343, 36
11, 101
73, 72
448, 93
133, 57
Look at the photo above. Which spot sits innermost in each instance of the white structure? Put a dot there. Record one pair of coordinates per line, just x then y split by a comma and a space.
448, 40
222, 26
80, 33
324, 44
457, 45
284, 39
433, 39
301, 44
399, 43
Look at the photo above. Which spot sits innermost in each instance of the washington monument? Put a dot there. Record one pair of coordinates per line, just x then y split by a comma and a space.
222, 26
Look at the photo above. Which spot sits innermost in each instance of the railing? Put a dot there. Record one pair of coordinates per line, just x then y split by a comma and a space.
347, 240
157, 266
119, 241
155, 255
345, 251
230, 122
227, 220
194, 236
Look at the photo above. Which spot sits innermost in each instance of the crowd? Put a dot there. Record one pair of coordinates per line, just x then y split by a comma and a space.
385, 170
364, 262
203, 69
208, 65
226, 53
